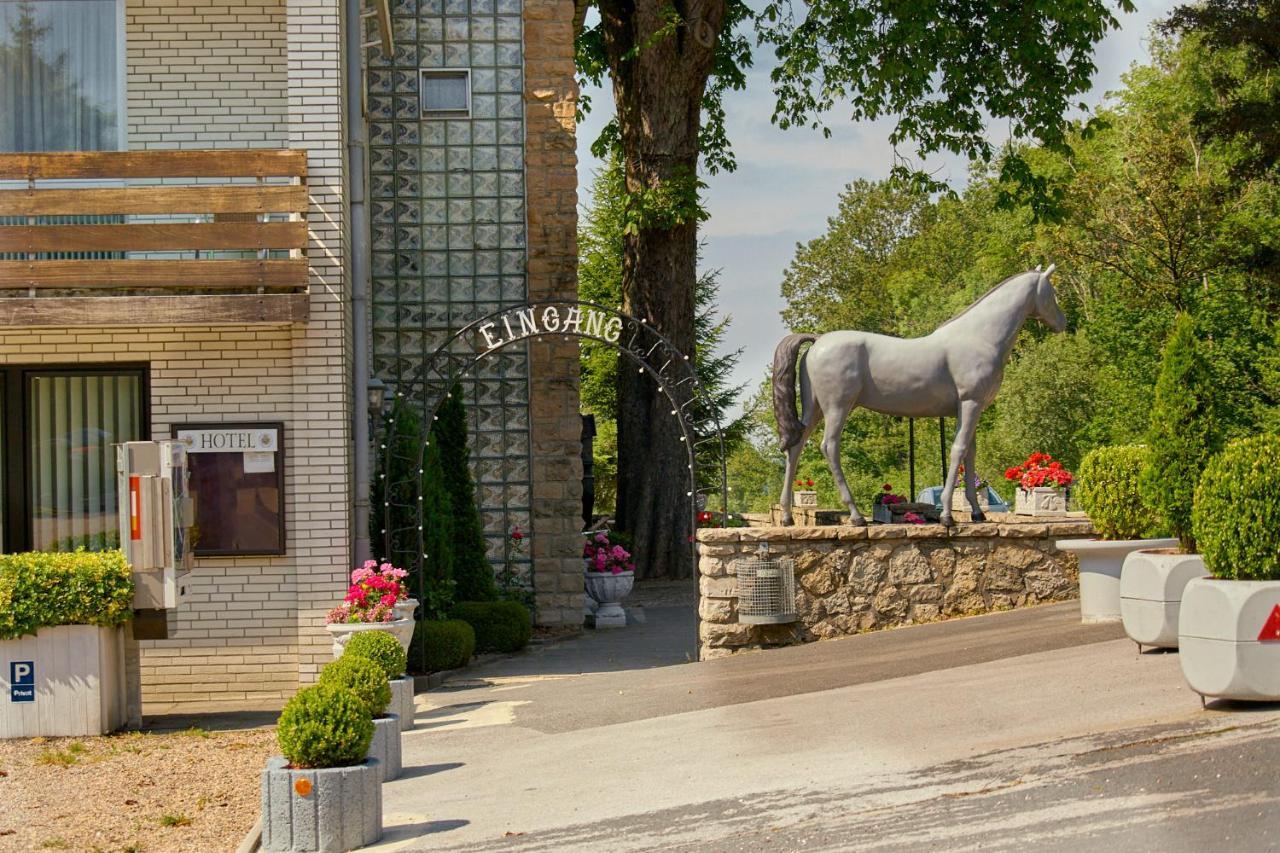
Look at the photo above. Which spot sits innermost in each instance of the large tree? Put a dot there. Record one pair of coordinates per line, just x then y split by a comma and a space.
942, 69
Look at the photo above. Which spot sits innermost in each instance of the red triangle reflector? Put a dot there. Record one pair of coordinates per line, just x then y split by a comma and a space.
1271, 630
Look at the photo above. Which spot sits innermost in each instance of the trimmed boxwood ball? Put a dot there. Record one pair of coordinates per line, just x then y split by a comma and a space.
441, 645
1236, 517
1110, 494
324, 726
500, 626
362, 677
380, 647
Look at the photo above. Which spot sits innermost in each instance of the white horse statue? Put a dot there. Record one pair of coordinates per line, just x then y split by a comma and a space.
955, 371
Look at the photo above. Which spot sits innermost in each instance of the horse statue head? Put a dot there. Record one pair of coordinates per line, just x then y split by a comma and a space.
1046, 307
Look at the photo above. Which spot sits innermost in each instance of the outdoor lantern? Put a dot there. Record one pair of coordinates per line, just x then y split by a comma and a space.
377, 390
766, 589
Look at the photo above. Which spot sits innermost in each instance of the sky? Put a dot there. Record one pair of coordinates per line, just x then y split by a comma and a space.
788, 182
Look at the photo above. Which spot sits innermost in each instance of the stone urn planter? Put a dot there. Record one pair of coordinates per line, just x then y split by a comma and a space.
805, 497
405, 610
1041, 500
608, 590
335, 808
402, 700
385, 746
1100, 564
1229, 638
1151, 585
401, 629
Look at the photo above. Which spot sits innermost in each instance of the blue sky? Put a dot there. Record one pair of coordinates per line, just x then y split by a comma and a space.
787, 184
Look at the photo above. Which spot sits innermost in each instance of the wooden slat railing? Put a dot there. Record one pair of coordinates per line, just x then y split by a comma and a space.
238, 231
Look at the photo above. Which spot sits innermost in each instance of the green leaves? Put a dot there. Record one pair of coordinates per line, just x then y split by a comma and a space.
77, 588
1236, 518
324, 726
363, 677
1110, 494
381, 647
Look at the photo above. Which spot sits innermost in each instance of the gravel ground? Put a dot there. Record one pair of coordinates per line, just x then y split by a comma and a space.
187, 791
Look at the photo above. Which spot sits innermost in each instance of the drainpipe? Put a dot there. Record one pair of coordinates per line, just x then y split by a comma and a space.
358, 249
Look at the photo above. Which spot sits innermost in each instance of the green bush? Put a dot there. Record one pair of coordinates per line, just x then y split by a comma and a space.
1110, 494
380, 647
324, 726
441, 645
500, 626
39, 589
362, 677
1236, 518
472, 571
1183, 433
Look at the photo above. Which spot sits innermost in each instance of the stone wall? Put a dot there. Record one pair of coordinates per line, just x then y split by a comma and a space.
854, 579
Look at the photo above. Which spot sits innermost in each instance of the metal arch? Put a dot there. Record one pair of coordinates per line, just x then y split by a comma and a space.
458, 365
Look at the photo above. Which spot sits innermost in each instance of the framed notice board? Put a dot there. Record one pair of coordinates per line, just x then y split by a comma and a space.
237, 487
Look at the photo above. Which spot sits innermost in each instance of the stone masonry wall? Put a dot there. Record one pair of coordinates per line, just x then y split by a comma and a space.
855, 579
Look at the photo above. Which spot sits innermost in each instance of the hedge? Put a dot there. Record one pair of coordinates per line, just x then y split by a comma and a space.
1110, 494
1236, 516
500, 626
324, 726
41, 589
441, 645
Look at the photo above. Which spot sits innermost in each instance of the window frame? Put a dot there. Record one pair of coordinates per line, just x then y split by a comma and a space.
443, 113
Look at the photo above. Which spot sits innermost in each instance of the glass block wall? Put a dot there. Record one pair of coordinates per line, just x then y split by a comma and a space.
447, 203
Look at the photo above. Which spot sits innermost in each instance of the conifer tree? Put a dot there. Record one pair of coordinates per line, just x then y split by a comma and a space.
472, 571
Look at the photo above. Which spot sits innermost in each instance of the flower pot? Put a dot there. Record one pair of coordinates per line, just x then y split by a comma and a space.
65, 680
334, 808
385, 746
402, 700
404, 609
1229, 638
805, 497
1100, 563
608, 591
1151, 585
401, 629
960, 503
1041, 500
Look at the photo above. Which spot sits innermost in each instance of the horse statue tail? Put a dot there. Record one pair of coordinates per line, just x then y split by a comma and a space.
785, 358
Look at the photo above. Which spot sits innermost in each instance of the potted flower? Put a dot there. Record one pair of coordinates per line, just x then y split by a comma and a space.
368, 681
370, 605
882, 506
1110, 495
1042, 485
386, 651
609, 577
805, 494
323, 793
1229, 626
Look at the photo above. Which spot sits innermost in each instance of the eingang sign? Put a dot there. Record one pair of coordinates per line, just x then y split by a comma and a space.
535, 321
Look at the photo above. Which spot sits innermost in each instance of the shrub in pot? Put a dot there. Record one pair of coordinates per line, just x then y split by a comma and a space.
368, 681
1109, 492
324, 793
1229, 628
441, 644
500, 626
385, 650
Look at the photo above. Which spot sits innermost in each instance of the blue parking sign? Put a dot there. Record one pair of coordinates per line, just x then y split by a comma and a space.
22, 681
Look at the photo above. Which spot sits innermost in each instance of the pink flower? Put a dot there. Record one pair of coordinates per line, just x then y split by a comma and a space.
361, 574
388, 600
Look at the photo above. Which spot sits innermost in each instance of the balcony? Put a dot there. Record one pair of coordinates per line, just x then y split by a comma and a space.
153, 238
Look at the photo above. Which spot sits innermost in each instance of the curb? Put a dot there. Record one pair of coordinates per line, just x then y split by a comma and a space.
250, 842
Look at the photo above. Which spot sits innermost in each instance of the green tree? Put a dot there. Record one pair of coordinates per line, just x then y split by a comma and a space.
472, 572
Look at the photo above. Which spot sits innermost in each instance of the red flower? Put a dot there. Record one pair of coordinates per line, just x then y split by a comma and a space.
516, 534
887, 487
808, 482
1014, 473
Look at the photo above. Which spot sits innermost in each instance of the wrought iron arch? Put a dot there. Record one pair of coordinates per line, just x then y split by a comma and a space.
433, 380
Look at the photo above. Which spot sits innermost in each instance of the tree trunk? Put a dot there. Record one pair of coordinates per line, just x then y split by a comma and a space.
658, 93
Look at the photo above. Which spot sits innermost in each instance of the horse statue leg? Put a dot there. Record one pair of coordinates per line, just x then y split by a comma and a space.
971, 481
793, 461
966, 424
831, 449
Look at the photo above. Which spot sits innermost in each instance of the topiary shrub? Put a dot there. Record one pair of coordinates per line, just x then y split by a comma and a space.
472, 571
441, 645
362, 677
40, 589
500, 626
1236, 518
1183, 433
1109, 492
381, 648
324, 726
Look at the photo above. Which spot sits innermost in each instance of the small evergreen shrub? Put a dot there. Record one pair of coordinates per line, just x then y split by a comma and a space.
472, 571
1110, 494
380, 647
324, 726
500, 626
441, 645
362, 677
1236, 518
40, 589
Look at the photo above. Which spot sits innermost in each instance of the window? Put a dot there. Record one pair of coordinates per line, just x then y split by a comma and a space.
446, 92
58, 465
61, 75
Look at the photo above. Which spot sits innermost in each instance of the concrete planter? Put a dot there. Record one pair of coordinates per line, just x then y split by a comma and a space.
331, 809
1151, 585
74, 676
805, 497
1100, 564
608, 591
402, 701
385, 746
1229, 638
1041, 500
401, 629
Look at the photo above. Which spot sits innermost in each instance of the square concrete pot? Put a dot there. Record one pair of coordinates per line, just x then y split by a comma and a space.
1100, 564
402, 701
385, 746
329, 809
1041, 500
66, 680
805, 497
1229, 638
1151, 585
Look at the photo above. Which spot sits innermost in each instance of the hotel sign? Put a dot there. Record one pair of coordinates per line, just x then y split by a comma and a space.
230, 440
